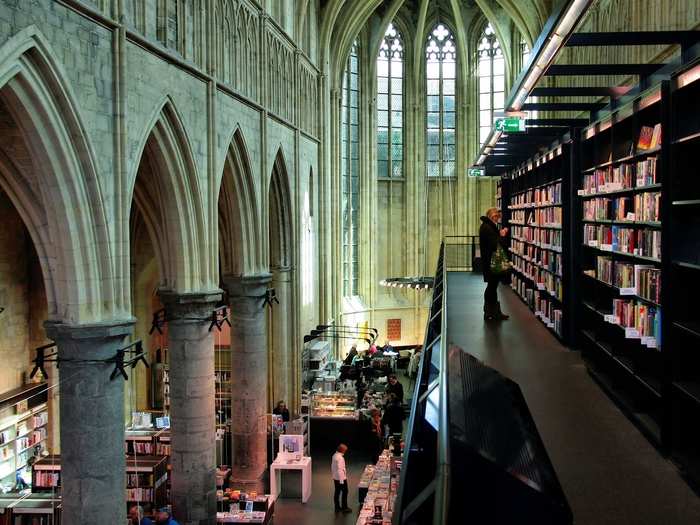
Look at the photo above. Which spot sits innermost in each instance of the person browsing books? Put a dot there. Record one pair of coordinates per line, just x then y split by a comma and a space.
340, 480
394, 387
281, 410
490, 239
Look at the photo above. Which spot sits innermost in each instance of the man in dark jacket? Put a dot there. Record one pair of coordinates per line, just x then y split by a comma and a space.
489, 240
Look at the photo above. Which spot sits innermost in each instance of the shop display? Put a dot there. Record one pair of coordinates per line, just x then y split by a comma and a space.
334, 405
380, 482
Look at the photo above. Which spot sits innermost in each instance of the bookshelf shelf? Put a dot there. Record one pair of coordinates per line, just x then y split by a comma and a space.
687, 138
688, 327
617, 291
623, 254
623, 160
690, 389
692, 202
631, 224
687, 265
624, 191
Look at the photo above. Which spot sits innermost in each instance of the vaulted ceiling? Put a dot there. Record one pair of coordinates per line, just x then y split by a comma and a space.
342, 20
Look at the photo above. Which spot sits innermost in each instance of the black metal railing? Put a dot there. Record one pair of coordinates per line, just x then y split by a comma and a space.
461, 252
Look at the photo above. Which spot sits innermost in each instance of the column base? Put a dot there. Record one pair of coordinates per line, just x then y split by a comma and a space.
247, 480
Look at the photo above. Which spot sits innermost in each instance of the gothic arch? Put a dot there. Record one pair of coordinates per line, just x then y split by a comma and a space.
165, 188
56, 191
239, 225
280, 214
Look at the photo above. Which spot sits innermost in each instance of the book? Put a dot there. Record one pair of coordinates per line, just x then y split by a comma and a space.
656, 136
645, 135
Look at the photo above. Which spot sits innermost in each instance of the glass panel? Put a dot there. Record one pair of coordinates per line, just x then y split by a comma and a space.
449, 102
397, 85
433, 70
382, 85
433, 120
396, 102
448, 169
433, 137
484, 85
448, 87
448, 70
448, 152
396, 119
382, 102
433, 169
397, 169
382, 168
383, 136
433, 87
433, 103
483, 134
498, 83
396, 136
396, 152
485, 67
382, 68
485, 118
396, 68
498, 66
448, 136
485, 101
448, 120
498, 100
382, 118
382, 151
433, 153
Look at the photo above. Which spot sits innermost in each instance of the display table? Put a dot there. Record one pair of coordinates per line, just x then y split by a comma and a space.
304, 465
259, 517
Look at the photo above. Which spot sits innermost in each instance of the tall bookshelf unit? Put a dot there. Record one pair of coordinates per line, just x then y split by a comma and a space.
621, 258
682, 320
538, 215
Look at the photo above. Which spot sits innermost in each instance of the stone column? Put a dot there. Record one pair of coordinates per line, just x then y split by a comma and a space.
192, 418
282, 347
93, 478
248, 380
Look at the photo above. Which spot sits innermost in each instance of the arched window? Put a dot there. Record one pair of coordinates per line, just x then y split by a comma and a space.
491, 81
350, 170
441, 73
390, 105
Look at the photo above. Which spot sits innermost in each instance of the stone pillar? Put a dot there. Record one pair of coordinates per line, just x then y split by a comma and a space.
192, 418
282, 347
93, 478
248, 380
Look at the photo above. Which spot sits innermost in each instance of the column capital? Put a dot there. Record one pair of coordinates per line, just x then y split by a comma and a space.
247, 285
190, 304
113, 329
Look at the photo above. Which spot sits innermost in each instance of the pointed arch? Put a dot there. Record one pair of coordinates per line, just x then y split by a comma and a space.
239, 224
57, 191
165, 188
280, 214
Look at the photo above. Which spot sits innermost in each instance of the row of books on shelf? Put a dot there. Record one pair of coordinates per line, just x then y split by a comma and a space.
31, 439
548, 259
621, 177
538, 217
135, 480
543, 196
544, 308
44, 479
634, 241
632, 279
639, 320
546, 238
543, 280
139, 494
644, 207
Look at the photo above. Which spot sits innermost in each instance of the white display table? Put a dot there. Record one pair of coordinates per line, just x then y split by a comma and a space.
304, 464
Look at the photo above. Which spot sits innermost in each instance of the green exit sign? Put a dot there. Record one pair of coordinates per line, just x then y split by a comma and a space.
510, 124
476, 172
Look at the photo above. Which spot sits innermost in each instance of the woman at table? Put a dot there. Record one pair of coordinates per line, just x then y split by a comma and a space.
376, 435
282, 410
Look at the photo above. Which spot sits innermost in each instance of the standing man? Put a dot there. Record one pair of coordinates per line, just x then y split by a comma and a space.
340, 479
489, 240
394, 387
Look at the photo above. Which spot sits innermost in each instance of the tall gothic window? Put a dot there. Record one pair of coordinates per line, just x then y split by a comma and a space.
390, 105
491, 81
441, 73
350, 170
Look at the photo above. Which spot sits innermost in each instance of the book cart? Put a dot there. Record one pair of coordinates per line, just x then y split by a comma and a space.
535, 209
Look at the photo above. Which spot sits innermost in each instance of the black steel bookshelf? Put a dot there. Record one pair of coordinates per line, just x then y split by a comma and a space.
622, 178
683, 267
539, 245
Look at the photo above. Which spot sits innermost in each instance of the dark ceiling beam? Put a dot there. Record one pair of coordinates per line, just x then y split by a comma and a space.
616, 91
563, 106
563, 122
634, 38
643, 70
